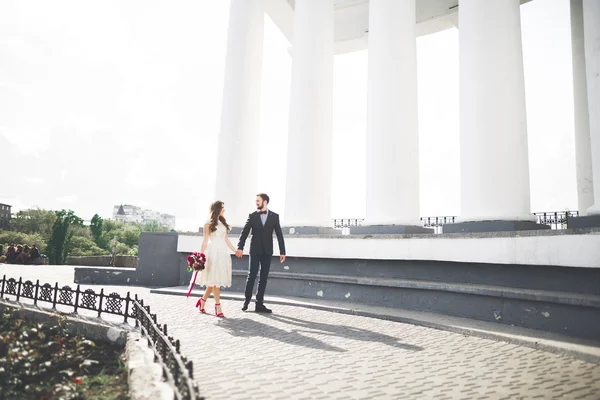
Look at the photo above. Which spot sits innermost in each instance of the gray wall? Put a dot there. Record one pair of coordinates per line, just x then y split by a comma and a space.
158, 259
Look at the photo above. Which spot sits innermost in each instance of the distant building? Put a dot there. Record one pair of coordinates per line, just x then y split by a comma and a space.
4, 216
130, 213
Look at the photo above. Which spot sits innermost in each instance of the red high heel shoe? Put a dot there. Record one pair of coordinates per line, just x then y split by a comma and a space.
218, 314
199, 303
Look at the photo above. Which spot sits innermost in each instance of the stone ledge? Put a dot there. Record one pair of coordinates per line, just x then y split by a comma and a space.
92, 328
573, 299
145, 377
457, 235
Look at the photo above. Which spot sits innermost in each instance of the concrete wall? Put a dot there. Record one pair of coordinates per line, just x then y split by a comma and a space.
103, 261
158, 259
570, 248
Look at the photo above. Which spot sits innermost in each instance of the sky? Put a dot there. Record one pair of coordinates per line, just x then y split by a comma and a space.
119, 102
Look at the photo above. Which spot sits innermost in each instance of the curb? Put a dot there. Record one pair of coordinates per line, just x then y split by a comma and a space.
144, 376
89, 327
581, 349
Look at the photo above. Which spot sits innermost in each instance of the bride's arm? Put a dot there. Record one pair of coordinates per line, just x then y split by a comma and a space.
205, 241
231, 247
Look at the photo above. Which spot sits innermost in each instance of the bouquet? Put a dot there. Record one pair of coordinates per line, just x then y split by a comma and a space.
196, 262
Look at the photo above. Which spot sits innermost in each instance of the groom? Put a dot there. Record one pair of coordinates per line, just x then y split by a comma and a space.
262, 222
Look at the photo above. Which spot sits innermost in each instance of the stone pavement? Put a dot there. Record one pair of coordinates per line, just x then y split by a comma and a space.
299, 353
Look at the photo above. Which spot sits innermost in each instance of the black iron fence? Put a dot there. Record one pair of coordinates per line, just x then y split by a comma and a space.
437, 223
556, 219
177, 370
346, 222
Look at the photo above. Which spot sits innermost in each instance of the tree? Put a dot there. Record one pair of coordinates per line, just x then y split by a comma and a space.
62, 233
34, 220
96, 227
81, 246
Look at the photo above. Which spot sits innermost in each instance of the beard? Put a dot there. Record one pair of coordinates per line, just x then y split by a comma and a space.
259, 206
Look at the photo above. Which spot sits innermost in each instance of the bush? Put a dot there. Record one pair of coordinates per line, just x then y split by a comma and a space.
82, 246
9, 237
122, 249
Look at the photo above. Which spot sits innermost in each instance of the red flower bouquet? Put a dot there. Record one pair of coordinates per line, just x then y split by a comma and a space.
196, 262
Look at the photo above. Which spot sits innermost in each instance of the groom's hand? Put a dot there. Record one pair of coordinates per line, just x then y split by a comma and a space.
239, 253
282, 258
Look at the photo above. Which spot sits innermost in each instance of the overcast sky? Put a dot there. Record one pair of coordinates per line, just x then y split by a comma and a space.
111, 102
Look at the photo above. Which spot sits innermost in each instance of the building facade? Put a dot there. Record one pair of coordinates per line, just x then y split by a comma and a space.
133, 214
5, 216
493, 122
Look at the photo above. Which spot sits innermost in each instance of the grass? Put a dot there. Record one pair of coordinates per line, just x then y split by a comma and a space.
43, 362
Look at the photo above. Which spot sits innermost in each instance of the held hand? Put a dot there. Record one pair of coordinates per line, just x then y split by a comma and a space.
282, 258
239, 253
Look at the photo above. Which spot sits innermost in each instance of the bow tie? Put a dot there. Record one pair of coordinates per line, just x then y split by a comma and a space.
262, 212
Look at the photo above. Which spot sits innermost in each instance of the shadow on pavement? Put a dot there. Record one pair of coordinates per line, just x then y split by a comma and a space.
246, 327
346, 332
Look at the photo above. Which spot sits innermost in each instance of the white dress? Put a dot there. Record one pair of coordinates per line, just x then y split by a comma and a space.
218, 260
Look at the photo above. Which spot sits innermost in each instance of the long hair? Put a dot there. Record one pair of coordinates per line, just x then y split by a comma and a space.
215, 210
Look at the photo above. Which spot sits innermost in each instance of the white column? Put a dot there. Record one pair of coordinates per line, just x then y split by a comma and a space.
308, 183
583, 152
493, 124
240, 116
392, 120
591, 26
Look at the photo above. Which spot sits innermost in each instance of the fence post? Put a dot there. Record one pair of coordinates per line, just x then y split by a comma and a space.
3, 283
100, 303
76, 299
19, 288
127, 300
55, 295
37, 287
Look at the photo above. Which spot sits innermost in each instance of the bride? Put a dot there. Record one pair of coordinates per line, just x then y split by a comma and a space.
216, 246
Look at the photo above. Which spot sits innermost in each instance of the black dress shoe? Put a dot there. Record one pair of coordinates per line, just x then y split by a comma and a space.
245, 306
260, 308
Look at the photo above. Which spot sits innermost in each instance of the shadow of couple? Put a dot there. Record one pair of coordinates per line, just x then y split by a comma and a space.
247, 327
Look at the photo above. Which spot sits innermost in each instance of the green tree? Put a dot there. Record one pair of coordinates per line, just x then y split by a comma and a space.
34, 220
62, 233
96, 227
81, 246
151, 226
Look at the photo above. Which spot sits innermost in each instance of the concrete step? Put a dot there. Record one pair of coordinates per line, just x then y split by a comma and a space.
574, 299
573, 314
588, 350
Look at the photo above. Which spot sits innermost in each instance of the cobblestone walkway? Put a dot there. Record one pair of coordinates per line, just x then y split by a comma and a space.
299, 353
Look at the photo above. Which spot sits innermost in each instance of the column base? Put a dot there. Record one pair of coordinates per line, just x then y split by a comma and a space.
389, 230
590, 221
493, 226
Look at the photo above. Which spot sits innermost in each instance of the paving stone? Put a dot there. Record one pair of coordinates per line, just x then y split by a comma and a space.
303, 353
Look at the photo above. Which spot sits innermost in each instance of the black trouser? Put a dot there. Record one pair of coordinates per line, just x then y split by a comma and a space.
265, 265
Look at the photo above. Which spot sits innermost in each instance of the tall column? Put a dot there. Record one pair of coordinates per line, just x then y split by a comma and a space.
591, 26
308, 184
493, 125
240, 115
583, 152
392, 120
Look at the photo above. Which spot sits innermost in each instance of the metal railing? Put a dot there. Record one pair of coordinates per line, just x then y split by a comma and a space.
167, 353
346, 222
555, 219
177, 370
437, 223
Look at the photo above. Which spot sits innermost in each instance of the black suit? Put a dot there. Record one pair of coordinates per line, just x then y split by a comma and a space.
261, 250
